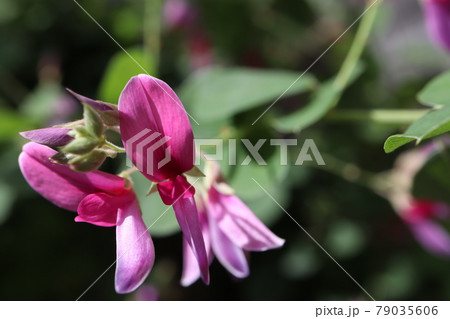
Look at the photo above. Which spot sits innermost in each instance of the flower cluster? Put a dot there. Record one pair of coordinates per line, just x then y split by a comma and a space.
212, 219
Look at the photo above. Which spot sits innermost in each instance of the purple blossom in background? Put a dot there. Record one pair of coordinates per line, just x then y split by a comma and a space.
177, 14
437, 19
423, 218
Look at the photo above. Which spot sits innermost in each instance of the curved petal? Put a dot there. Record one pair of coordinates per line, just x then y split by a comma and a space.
50, 136
58, 183
239, 223
191, 270
101, 209
135, 251
97, 105
230, 256
187, 217
170, 191
155, 128
432, 237
437, 18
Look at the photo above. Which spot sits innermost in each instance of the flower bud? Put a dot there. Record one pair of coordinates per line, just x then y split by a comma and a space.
81, 145
88, 162
93, 122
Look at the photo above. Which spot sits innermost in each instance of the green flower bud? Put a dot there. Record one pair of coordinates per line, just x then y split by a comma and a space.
80, 145
88, 162
93, 122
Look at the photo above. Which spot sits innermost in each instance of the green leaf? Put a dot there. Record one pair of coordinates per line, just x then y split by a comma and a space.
158, 216
433, 180
437, 91
433, 123
218, 92
11, 123
120, 69
322, 102
324, 99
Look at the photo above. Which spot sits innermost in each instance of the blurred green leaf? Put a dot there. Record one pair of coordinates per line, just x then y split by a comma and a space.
300, 261
218, 92
11, 123
345, 239
433, 123
120, 69
437, 91
6, 200
158, 216
433, 180
322, 101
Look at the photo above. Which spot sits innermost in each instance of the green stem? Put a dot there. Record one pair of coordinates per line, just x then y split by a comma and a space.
115, 147
358, 45
152, 30
394, 117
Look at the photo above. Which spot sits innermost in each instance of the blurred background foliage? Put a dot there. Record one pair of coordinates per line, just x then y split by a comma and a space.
228, 60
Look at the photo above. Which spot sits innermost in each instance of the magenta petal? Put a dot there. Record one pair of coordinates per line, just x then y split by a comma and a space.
173, 190
230, 256
239, 223
432, 237
437, 18
155, 129
97, 105
187, 217
191, 270
58, 183
51, 136
135, 251
101, 209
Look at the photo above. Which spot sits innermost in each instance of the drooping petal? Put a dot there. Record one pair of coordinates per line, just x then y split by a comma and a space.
239, 223
135, 250
173, 190
230, 256
155, 129
58, 183
96, 105
187, 217
432, 236
437, 18
51, 136
191, 270
101, 209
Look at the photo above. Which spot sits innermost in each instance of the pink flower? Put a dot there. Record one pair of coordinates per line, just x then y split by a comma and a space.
229, 228
101, 199
178, 14
437, 19
158, 138
423, 217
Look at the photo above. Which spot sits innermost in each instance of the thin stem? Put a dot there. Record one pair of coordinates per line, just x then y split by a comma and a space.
152, 30
114, 147
393, 117
358, 45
